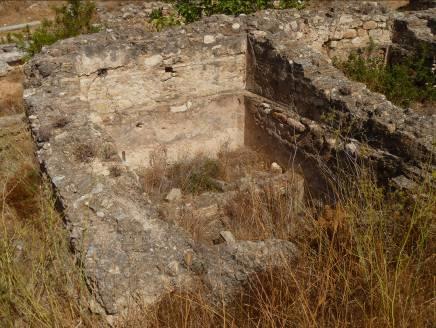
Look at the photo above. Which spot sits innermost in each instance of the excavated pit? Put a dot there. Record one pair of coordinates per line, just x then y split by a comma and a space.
102, 106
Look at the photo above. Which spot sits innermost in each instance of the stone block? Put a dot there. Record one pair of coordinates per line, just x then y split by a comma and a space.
349, 34
369, 25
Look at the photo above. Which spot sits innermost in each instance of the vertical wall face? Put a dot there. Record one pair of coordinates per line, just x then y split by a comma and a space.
179, 102
202, 125
272, 76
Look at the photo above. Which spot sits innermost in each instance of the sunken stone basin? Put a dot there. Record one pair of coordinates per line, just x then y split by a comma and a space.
265, 81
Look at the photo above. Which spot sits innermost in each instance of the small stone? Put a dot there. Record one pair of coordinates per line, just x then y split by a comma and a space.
369, 25
208, 39
175, 195
351, 148
404, 183
173, 268
259, 34
345, 19
375, 33
345, 90
181, 109
349, 34
153, 60
276, 168
94, 307
236, 26
187, 257
391, 128
294, 26
228, 237
331, 143
362, 32
296, 125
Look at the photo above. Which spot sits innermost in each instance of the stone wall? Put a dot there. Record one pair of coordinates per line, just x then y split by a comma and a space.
94, 100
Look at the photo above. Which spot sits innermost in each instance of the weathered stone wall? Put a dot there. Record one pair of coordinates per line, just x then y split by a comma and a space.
412, 33
304, 80
177, 104
95, 99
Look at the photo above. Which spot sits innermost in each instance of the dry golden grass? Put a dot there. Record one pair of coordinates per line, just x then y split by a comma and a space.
40, 285
11, 86
273, 210
369, 262
198, 174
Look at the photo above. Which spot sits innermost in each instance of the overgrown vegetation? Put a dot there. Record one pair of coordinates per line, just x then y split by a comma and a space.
412, 80
192, 10
160, 21
74, 18
40, 283
274, 209
367, 262
200, 173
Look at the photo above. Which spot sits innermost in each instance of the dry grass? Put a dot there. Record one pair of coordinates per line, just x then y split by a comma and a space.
199, 174
272, 210
40, 285
11, 86
368, 262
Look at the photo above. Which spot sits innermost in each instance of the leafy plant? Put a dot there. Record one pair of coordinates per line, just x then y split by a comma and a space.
192, 10
403, 83
71, 19
160, 21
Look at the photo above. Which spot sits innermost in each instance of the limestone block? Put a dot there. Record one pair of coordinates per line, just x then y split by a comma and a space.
375, 33
208, 39
174, 195
362, 32
349, 34
369, 25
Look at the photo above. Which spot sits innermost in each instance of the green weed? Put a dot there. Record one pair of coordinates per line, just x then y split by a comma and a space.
71, 19
192, 10
403, 83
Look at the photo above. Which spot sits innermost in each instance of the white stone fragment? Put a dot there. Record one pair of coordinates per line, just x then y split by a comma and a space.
173, 268
276, 168
236, 26
181, 108
153, 60
174, 195
228, 237
351, 148
208, 39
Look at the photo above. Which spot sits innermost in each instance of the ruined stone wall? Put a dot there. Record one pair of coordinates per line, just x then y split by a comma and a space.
95, 101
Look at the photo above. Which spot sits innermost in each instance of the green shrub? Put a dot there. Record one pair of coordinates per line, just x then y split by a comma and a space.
71, 19
403, 83
160, 21
192, 10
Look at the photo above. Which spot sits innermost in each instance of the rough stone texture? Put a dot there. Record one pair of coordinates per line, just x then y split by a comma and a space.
93, 100
414, 31
10, 55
